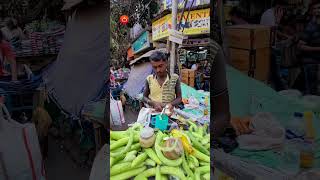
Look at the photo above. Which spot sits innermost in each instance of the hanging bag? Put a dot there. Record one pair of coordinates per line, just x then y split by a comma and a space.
116, 112
20, 156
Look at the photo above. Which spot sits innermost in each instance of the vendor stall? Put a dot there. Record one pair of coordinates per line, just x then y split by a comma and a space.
281, 162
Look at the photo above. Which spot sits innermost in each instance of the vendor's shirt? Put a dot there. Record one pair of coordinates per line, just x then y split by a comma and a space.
165, 93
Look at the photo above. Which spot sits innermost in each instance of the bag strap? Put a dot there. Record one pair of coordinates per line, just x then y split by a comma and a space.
26, 143
121, 117
111, 97
4, 114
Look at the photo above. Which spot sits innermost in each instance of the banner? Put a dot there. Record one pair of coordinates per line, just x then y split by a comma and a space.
142, 43
198, 23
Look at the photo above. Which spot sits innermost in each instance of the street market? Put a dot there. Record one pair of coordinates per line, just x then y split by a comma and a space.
196, 89
164, 142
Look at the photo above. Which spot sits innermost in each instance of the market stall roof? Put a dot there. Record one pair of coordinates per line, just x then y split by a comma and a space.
148, 54
70, 3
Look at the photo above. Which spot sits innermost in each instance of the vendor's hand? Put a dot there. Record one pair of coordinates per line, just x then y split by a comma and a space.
170, 109
241, 125
157, 106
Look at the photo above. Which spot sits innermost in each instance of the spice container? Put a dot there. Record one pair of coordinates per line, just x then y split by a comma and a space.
147, 137
307, 154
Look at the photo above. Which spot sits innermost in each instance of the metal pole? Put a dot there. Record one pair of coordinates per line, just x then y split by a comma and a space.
174, 27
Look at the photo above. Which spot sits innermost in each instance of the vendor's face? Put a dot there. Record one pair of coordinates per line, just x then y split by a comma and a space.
160, 67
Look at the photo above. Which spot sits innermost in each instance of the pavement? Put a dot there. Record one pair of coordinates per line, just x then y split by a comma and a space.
60, 166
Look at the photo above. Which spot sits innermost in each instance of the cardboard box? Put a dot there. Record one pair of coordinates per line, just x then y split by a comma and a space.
191, 81
185, 80
249, 36
188, 76
254, 63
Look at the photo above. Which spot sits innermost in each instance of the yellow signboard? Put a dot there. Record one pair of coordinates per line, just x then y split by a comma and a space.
198, 23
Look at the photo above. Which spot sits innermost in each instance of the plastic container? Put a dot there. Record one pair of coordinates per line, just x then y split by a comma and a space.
291, 94
297, 125
160, 122
291, 156
307, 154
147, 137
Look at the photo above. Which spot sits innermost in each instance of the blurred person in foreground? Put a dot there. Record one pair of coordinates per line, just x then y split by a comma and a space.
161, 88
220, 97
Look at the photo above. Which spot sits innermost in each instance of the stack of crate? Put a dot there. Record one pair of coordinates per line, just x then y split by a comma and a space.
188, 76
250, 50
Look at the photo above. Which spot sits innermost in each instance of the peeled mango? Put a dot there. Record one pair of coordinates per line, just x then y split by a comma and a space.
174, 153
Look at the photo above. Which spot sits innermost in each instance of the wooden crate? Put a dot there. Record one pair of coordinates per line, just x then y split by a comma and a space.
191, 82
188, 76
249, 36
255, 63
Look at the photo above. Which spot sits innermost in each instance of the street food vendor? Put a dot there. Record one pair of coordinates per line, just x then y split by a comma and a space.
7, 55
161, 88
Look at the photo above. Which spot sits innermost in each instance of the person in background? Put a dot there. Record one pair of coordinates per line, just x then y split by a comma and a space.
309, 45
11, 31
195, 66
310, 38
7, 55
273, 16
161, 88
236, 17
206, 75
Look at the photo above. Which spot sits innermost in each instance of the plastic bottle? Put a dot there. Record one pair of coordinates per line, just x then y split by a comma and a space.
297, 125
206, 100
307, 151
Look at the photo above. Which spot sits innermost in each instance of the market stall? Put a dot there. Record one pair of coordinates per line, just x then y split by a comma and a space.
149, 150
249, 97
42, 45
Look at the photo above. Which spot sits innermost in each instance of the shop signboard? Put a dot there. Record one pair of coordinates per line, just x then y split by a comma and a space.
167, 4
175, 36
198, 23
141, 43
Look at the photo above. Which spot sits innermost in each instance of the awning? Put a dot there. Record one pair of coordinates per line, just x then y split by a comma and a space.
148, 54
68, 4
